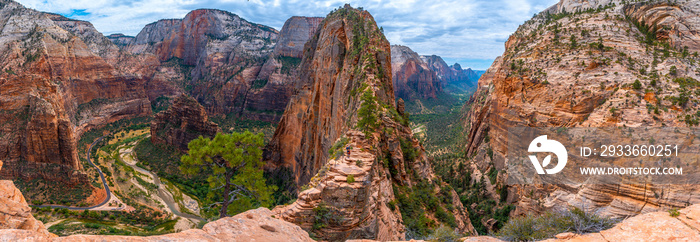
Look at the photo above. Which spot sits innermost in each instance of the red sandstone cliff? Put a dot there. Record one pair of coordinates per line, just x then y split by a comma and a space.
347, 65
413, 78
54, 86
184, 121
544, 79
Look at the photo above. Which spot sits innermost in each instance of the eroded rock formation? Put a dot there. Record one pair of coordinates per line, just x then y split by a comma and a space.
345, 70
15, 213
252, 225
184, 121
453, 78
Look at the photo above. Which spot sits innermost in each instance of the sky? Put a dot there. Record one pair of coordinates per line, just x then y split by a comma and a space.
469, 32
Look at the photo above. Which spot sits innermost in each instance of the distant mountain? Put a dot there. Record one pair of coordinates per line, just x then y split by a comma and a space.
412, 77
453, 78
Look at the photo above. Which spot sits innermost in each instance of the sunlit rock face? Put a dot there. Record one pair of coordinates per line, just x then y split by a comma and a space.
547, 78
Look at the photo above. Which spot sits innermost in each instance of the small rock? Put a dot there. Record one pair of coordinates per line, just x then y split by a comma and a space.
567, 235
268, 228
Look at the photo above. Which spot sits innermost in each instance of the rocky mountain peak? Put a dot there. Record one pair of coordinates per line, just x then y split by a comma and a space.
294, 34
331, 70
611, 64
345, 101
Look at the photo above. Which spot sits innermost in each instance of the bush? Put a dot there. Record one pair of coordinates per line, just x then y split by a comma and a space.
674, 213
529, 228
351, 178
444, 234
637, 85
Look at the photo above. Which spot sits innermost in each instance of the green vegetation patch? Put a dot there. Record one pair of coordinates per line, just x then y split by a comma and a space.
531, 228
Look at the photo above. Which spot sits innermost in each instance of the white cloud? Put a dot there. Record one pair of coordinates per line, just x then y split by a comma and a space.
454, 29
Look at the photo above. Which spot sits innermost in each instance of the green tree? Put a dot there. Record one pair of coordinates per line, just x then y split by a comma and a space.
673, 71
637, 85
234, 164
572, 41
368, 112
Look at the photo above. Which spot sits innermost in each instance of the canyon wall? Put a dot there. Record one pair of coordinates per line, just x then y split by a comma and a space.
54, 86
413, 78
590, 64
184, 121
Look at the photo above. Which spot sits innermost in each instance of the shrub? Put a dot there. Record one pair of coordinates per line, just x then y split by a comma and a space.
637, 85
351, 178
545, 226
338, 148
674, 213
444, 234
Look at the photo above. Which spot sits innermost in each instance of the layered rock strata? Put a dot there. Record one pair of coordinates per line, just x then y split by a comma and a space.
54, 85
591, 64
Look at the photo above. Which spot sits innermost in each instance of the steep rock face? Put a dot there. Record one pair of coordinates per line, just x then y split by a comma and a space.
294, 34
413, 78
216, 57
345, 67
323, 107
676, 24
121, 39
184, 121
15, 213
453, 78
53, 87
281, 70
544, 79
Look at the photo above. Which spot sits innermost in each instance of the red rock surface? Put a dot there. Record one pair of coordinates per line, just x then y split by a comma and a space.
347, 57
544, 80
52, 88
184, 121
412, 77
252, 225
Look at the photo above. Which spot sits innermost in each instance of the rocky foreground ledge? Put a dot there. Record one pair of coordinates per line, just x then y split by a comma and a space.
253, 225
18, 224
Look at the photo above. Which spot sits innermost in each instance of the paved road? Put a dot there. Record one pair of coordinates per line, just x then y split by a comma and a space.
104, 181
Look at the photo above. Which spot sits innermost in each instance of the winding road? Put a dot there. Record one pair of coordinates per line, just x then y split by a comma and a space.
163, 194
169, 201
104, 182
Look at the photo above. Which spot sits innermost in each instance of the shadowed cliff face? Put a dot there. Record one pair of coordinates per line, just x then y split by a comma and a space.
453, 78
52, 88
183, 122
323, 107
413, 78
546, 78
